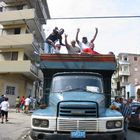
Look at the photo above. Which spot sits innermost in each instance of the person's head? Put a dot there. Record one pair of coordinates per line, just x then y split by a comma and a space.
121, 100
84, 40
130, 100
73, 42
55, 30
111, 53
61, 31
6, 99
116, 98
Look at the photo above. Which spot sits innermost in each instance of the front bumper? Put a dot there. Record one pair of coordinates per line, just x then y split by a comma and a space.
35, 135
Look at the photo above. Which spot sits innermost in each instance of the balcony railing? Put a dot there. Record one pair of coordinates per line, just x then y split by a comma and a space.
23, 67
124, 73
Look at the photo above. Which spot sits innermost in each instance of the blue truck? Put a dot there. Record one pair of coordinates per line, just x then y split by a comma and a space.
77, 93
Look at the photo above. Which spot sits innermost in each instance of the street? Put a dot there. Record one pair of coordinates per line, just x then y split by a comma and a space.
133, 135
18, 128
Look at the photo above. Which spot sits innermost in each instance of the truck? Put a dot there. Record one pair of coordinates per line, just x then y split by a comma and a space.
77, 94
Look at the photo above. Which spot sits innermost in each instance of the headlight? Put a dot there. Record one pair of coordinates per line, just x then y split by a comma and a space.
113, 124
40, 123
118, 124
109, 124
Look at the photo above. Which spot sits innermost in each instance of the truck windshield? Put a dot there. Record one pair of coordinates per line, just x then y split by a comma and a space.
72, 82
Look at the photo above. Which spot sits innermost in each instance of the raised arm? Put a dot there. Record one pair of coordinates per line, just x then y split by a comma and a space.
66, 42
94, 37
60, 41
77, 34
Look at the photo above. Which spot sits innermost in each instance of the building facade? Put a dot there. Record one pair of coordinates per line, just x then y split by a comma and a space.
21, 40
127, 76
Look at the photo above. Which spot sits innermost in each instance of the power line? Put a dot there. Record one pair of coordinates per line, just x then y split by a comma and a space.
96, 17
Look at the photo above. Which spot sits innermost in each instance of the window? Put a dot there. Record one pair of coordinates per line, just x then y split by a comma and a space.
9, 55
11, 31
125, 79
125, 58
135, 58
125, 68
10, 90
17, 31
14, 55
19, 7
1, 9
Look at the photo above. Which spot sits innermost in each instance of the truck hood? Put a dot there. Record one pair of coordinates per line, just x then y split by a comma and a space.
76, 96
99, 98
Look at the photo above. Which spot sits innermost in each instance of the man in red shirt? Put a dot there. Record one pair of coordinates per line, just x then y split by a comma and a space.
90, 50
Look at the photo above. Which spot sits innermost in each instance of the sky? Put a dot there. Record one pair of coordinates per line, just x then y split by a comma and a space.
119, 35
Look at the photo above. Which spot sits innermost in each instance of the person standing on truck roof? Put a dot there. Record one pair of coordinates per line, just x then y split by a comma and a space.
56, 48
90, 50
85, 44
55, 36
72, 49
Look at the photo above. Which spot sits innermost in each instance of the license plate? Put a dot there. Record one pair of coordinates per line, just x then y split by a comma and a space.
78, 134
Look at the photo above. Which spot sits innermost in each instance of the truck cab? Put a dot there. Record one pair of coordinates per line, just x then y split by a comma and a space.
77, 91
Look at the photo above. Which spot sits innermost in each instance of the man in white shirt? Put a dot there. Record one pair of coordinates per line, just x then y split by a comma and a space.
85, 44
27, 104
4, 109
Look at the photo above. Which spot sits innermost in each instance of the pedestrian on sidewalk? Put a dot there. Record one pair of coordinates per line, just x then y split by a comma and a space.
4, 110
22, 103
17, 104
27, 104
1, 100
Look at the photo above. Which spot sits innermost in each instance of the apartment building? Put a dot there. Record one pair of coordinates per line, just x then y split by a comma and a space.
127, 76
21, 40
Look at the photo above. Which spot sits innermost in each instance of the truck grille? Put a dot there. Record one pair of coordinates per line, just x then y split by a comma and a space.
78, 109
72, 125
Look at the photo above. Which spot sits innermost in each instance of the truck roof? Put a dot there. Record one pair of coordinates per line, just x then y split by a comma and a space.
77, 61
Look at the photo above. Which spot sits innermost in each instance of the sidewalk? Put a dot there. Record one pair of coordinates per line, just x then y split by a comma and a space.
17, 126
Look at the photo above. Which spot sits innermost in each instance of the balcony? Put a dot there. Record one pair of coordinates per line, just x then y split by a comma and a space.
25, 68
23, 41
124, 73
25, 16
12, 1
